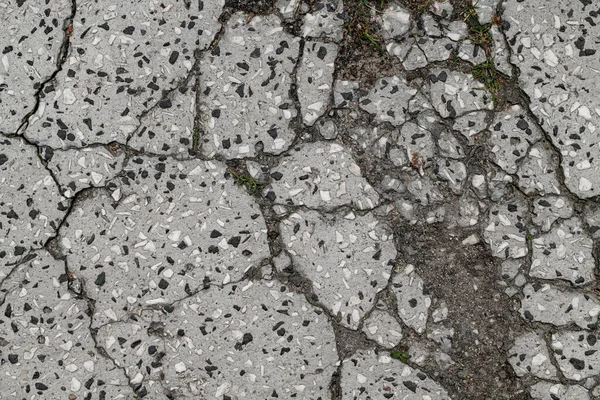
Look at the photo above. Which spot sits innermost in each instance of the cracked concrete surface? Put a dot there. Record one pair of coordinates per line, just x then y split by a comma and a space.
299, 199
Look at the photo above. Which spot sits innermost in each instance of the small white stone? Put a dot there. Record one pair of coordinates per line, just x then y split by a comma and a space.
180, 367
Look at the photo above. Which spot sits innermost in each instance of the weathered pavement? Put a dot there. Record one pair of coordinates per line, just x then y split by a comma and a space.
299, 199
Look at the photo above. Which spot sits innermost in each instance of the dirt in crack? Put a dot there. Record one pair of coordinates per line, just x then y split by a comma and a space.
484, 319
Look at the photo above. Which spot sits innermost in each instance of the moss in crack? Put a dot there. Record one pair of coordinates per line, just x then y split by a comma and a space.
362, 54
252, 185
487, 74
251, 6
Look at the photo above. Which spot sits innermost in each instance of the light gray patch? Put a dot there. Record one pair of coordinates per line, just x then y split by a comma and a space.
370, 374
564, 253
470, 125
388, 100
325, 20
538, 171
505, 232
551, 391
167, 230
383, 328
529, 356
454, 93
558, 60
168, 130
413, 298
321, 175
512, 133
245, 100
31, 205
46, 325
547, 209
120, 60
354, 259
29, 56
257, 338
551, 305
76, 170
345, 94
315, 79
453, 172
395, 21
576, 353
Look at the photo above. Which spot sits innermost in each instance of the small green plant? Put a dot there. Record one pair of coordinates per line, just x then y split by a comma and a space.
251, 184
530, 236
468, 12
400, 355
375, 40
420, 6
481, 35
486, 73
196, 138
358, 22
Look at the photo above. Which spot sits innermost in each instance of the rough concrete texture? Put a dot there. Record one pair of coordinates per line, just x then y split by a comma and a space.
299, 199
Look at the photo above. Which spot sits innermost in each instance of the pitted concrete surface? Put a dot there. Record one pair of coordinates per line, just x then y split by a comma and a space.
299, 199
